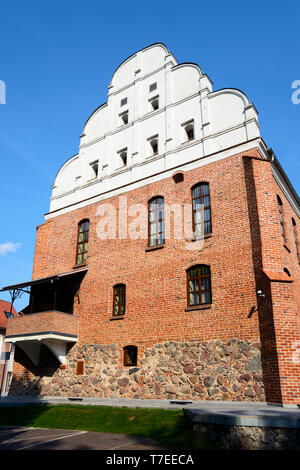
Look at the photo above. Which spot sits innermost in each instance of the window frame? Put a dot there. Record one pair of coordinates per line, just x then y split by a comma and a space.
156, 221
194, 211
82, 222
120, 291
126, 356
199, 291
152, 87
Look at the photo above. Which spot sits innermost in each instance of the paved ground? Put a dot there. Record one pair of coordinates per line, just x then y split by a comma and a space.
21, 438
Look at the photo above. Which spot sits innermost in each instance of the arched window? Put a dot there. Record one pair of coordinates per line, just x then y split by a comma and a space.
130, 356
201, 209
119, 300
198, 285
281, 220
82, 242
156, 221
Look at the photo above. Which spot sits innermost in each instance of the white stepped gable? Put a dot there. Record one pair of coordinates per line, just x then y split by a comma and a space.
221, 120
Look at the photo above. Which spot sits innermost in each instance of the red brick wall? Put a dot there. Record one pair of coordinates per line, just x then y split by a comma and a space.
44, 321
156, 280
245, 240
278, 316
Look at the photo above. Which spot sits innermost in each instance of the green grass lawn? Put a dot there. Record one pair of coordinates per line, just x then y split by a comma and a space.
168, 427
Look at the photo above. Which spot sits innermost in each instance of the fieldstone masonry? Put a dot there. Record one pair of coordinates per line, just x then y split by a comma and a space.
251, 437
214, 370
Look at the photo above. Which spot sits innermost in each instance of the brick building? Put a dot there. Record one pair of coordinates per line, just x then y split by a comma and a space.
168, 263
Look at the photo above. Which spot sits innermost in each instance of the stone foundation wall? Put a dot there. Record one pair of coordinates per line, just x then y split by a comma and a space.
214, 370
251, 437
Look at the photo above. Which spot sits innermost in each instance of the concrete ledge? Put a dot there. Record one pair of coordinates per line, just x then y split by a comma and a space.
236, 418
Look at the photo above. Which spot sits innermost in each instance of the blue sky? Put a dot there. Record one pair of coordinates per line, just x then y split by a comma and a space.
57, 58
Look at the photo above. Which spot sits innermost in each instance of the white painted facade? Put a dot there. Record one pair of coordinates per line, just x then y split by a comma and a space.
224, 123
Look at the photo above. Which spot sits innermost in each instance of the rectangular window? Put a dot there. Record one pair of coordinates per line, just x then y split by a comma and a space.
119, 301
123, 101
156, 221
201, 209
198, 286
130, 356
82, 242
152, 87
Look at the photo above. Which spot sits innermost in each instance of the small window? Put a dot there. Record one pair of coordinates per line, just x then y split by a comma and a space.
281, 220
80, 367
130, 356
123, 157
124, 118
296, 238
156, 221
198, 285
201, 209
154, 145
123, 101
82, 242
154, 102
178, 178
94, 167
152, 87
189, 131
119, 301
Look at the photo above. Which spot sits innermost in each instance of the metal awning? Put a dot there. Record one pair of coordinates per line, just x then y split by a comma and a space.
42, 280
17, 290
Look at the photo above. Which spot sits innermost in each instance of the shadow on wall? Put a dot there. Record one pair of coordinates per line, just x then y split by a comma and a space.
31, 380
271, 376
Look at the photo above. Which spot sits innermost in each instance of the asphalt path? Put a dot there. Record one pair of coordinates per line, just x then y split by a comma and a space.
23, 438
